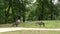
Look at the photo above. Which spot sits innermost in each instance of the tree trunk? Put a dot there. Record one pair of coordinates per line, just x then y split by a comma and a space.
24, 18
40, 17
51, 8
8, 13
5, 16
13, 15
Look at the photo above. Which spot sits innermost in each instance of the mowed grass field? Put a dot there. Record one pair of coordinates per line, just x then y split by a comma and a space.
32, 32
32, 24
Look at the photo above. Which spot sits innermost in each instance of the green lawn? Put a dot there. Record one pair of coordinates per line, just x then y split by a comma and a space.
48, 24
32, 32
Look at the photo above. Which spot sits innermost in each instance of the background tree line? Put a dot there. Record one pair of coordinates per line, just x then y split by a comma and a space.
28, 10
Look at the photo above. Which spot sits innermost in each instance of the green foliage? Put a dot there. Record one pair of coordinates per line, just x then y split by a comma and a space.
40, 10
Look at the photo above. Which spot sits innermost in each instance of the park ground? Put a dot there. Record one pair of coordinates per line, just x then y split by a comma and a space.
32, 32
32, 24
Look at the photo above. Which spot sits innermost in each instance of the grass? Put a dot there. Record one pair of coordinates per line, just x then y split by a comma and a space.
32, 32
48, 24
